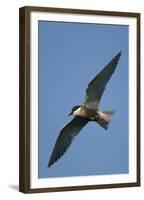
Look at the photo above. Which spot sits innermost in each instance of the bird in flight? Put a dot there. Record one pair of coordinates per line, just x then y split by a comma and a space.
88, 111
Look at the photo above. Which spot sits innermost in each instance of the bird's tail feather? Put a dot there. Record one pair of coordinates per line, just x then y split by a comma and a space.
105, 118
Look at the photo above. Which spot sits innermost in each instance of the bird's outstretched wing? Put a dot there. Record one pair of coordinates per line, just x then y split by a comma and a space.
97, 86
66, 136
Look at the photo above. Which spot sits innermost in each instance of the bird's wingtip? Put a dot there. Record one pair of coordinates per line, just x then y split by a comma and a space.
50, 163
119, 54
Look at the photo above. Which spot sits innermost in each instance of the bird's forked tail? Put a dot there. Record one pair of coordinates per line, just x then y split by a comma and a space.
104, 118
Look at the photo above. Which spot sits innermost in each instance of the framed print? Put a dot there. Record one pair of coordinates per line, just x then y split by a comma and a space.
79, 99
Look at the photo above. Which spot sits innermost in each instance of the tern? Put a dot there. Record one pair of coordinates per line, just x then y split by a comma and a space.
87, 112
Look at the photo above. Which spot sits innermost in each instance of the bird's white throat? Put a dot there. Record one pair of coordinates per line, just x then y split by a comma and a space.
77, 111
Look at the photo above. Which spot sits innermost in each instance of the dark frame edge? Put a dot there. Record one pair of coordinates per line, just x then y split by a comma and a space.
80, 11
24, 101
85, 187
138, 99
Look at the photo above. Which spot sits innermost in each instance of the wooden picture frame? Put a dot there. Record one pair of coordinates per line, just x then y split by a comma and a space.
25, 137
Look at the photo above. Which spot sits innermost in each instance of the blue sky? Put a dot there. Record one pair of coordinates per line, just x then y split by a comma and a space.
70, 55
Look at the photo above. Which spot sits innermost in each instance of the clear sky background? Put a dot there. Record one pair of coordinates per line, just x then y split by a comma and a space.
70, 55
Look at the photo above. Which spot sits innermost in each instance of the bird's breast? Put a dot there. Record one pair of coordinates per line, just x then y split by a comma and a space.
85, 112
